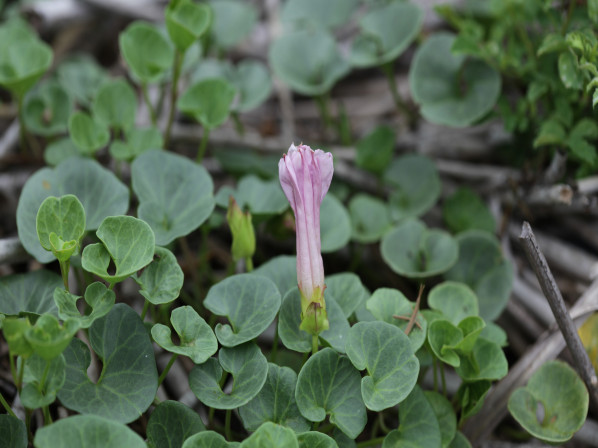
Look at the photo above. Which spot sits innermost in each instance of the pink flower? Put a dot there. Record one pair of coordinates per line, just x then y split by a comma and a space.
305, 177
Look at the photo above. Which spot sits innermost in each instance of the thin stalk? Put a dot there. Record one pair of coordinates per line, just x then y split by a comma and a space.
383, 426
28, 414
372, 442
167, 368
305, 357
42, 383
47, 416
146, 305
274, 351
322, 102
443, 379
13, 369
6, 405
174, 93
64, 270
396, 96
211, 416
314, 344
248, 264
227, 419
150, 107
203, 144
21, 374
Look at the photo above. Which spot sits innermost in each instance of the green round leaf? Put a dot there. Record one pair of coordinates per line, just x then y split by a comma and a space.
250, 302
447, 420
370, 218
253, 82
60, 150
328, 384
486, 362
335, 224
138, 141
48, 338
186, 22
197, 339
97, 296
315, 439
47, 111
232, 22
444, 337
248, 368
147, 52
275, 402
483, 268
81, 77
386, 353
454, 300
129, 379
391, 306
414, 251
208, 439
13, 432
452, 90
259, 196
208, 101
459, 441
270, 435
171, 423
30, 293
348, 291
375, 150
418, 424
35, 394
86, 431
115, 104
282, 270
327, 14
415, 183
88, 134
385, 33
175, 194
298, 340
464, 210
161, 281
563, 398
321, 63
14, 330
129, 242
100, 192
22, 61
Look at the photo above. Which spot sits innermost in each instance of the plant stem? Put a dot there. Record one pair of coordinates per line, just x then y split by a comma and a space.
211, 416
21, 374
383, 426
145, 308
248, 264
443, 379
227, 432
372, 442
322, 102
13, 369
146, 98
174, 93
203, 144
47, 416
167, 368
6, 405
396, 96
314, 344
64, 270
42, 382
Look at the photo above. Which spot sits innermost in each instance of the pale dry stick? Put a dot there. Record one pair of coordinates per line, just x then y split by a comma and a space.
557, 304
9, 139
549, 345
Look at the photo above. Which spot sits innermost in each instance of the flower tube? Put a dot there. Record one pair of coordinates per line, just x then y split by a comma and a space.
305, 177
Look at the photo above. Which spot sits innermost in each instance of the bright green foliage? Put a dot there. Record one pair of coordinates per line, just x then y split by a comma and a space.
29, 293
171, 423
48, 337
413, 250
13, 432
14, 330
42, 385
186, 22
386, 32
385, 352
328, 384
129, 378
197, 338
321, 63
250, 303
335, 224
370, 218
161, 281
47, 110
232, 21
564, 400
129, 242
115, 105
248, 368
464, 210
88, 134
208, 101
86, 431
375, 150
97, 296
275, 402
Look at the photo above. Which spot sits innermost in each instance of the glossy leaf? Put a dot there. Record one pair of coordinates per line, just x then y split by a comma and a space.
129, 242
328, 384
161, 281
171, 423
454, 300
275, 402
208, 101
560, 392
65, 218
97, 296
86, 431
13, 432
248, 368
414, 251
348, 291
370, 218
298, 340
282, 270
175, 194
129, 379
30, 293
415, 186
115, 104
88, 134
46, 111
385, 352
270, 435
197, 338
98, 189
186, 22
451, 90
250, 303
335, 224
321, 63
232, 21
464, 210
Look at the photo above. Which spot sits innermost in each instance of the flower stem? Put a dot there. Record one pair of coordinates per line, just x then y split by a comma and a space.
47, 416
21, 374
203, 144
314, 344
227, 418
167, 368
6, 405
64, 270
248, 264
174, 93
150, 107
399, 102
145, 308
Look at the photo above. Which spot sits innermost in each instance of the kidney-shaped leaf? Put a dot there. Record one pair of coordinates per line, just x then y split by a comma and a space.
385, 352
329, 384
563, 398
87, 133
315, 439
35, 394
161, 281
171, 423
208, 101
129, 379
271, 435
98, 189
486, 362
29, 293
23, 60
175, 194
46, 111
87, 431
186, 22
250, 302
370, 218
99, 298
233, 20
259, 196
454, 300
208, 439
115, 104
